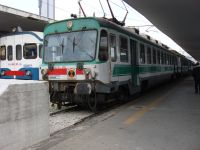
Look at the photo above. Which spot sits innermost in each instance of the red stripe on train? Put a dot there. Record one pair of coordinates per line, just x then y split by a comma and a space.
15, 73
79, 71
62, 71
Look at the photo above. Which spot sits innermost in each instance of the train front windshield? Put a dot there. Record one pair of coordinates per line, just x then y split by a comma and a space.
71, 46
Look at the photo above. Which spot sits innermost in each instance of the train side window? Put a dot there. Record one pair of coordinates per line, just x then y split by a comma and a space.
30, 51
154, 56
103, 46
170, 59
9, 53
123, 49
113, 52
2, 53
148, 55
167, 59
173, 60
162, 58
18, 52
142, 54
158, 56
40, 50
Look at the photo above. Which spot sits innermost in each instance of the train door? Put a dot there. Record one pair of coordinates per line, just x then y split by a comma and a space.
133, 49
113, 57
103, 56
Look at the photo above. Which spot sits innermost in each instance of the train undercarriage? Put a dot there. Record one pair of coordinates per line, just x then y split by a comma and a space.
82, 94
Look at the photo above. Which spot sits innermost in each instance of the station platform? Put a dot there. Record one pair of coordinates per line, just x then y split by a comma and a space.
164, 118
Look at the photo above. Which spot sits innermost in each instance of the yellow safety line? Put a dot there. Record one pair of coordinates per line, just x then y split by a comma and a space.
137, 115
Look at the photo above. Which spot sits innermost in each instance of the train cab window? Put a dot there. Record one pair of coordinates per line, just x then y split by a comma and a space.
113, 52
158, 56
103, 46
148, 55
2, 53
142, 54
123, 49
154, 56
18, 52
40, 50
9, 53
30, 51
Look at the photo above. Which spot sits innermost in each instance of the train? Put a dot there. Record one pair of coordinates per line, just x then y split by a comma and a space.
87, 59
21, 55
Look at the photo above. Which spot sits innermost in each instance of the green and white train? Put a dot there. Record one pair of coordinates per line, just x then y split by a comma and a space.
86, 59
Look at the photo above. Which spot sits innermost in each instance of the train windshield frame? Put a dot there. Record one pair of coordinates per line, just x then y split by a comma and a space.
70, 46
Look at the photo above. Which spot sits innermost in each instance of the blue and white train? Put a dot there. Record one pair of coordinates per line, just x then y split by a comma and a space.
21, 55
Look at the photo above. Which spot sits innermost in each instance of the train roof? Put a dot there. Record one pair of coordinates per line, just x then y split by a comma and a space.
104, 22
38, 35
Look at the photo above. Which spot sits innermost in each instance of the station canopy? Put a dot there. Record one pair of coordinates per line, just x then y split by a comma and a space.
179, 19
11, 18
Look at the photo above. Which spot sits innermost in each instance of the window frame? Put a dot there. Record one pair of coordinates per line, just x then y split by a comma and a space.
5, 56
142, 57
17, 51
9, 57
40, 47
158, 56
123, 49
103, 55
114, 59
28, 58
154, 56
149, 59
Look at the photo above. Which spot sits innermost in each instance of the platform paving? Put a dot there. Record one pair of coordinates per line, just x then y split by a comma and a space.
165, 118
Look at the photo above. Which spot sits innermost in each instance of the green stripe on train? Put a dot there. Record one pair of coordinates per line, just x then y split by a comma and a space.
122, 70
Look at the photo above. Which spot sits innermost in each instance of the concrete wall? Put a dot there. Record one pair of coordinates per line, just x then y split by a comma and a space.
24, 113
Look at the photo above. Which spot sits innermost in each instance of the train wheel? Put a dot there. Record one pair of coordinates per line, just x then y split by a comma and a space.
59, 106
122, 94
93, 103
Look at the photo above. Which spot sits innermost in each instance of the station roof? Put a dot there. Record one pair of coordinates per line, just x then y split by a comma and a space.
178, 19
11, 17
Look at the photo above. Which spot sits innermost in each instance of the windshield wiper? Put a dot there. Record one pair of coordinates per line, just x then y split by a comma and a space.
89, 55
62, 45
74, 44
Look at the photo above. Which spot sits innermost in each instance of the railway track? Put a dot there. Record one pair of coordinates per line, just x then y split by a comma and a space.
55, 111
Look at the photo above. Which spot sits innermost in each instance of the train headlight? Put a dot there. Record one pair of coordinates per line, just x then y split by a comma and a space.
28, 73
87, 73
44, 71
2, 73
